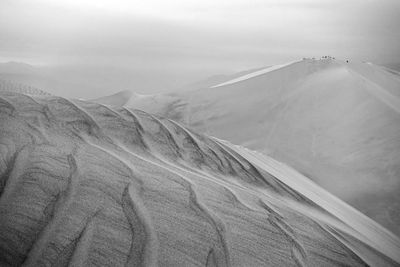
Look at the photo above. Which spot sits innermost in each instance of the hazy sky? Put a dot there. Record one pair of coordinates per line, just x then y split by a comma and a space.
204, 36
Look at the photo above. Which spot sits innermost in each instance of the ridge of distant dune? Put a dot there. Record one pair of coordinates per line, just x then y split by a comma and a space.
87, 184
255, 74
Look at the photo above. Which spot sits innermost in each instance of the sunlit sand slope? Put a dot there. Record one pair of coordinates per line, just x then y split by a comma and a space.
84, 184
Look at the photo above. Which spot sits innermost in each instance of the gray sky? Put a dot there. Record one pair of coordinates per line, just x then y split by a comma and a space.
190, 37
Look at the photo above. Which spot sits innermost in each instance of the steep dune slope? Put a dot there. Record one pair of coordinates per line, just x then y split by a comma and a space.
84, 184
336, 122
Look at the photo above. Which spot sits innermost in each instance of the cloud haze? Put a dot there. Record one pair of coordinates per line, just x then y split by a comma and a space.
187, 38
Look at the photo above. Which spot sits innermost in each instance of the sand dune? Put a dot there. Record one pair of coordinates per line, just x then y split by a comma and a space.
85, 184
336, 122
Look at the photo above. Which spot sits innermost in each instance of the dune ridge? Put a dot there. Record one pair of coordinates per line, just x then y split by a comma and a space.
87, 184
255, 74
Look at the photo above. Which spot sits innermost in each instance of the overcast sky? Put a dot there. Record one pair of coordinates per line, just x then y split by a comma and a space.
197, 36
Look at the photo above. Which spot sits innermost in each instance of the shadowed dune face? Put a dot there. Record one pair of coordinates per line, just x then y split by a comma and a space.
84, 184
336, 122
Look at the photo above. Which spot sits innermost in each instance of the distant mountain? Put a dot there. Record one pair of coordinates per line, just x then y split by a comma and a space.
85, 184
336, 122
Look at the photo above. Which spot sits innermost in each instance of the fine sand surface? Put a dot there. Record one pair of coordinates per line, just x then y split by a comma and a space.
337, 123
86, 184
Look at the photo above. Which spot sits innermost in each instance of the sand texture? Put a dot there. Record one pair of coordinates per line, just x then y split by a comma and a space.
85, 184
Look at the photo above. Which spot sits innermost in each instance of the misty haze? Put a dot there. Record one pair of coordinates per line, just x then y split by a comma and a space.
199, 133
